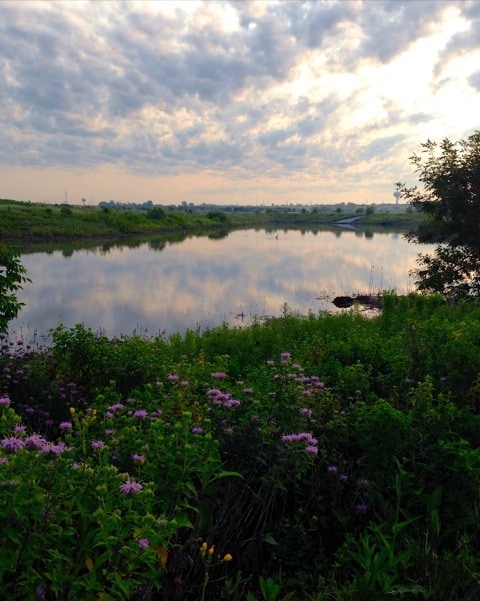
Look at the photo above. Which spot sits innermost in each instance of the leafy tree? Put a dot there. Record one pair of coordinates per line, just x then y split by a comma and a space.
450, 174
12, 277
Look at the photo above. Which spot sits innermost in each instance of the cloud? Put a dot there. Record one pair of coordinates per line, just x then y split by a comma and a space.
246, 89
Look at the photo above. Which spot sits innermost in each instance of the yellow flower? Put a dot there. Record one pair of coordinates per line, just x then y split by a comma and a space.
211, 550
72, 410
203, 548
228, 557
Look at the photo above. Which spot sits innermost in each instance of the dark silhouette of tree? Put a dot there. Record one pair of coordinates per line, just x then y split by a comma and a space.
450, 174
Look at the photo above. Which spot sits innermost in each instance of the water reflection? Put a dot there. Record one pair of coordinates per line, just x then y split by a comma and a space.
170, 285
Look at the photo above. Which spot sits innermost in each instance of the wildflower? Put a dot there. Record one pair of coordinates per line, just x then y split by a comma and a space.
185, 383
35, 441
140, 413
363, 483
332, 469
311, 450
97, 444
219, 375
4, 400
40, 593
65, 426
306, 412
173, 378
12, 444
138, 458
130, 487
19, 429
211, 550
197, 430
343, 478
55, 449
285, 356
72, 410
362, 508
144, 543
203, 548
227, 557
270, 362
248, 390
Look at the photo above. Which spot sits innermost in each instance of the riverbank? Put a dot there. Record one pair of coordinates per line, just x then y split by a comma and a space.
29, 222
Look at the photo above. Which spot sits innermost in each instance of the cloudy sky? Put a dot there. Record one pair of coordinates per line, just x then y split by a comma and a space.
244, 102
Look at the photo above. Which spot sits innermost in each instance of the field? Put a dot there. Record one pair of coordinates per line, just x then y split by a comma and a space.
324, 457
32, 223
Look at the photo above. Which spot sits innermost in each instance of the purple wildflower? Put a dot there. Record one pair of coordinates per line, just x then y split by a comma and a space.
97, 444
306, 412
173, 378
343, 478
332, 469
19, 429
219, 375
4, 400
197, 430
138, 458
140, 413
144, 543
40, 593
130, 487
35, 441
12, 444
362, 508
311, 450
65, 426
55, 449
248, 390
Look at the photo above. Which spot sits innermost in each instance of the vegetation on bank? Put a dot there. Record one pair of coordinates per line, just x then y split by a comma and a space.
324, 457
31, 222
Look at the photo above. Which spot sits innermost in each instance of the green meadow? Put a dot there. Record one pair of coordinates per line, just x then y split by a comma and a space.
318, 457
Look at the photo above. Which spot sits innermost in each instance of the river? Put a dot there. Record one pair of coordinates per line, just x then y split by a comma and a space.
202, 282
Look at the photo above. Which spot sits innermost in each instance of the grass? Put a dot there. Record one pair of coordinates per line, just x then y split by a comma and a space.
29, 222
323, 457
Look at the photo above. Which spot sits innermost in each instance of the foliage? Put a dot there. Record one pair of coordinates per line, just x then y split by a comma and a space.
12, 277
318, 457
450, 173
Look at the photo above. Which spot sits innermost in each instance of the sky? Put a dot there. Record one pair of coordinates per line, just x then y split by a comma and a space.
230, 102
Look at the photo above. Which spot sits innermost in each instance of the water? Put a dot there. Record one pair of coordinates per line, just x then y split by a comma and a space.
201, 282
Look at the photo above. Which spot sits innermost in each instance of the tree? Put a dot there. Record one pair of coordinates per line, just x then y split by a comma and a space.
450, 174
12, 278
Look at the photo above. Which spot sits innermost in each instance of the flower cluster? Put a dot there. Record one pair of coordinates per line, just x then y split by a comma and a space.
311, 443
223, 399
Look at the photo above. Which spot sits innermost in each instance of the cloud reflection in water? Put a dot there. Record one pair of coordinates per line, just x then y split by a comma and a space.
203, 282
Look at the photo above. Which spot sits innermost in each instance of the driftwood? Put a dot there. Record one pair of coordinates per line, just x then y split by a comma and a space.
370, 301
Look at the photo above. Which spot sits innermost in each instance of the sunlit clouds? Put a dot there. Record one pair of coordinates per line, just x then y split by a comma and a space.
230, 102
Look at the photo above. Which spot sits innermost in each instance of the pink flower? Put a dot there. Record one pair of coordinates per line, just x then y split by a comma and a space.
97, 444
140, 413
144, 543
12, 444
130, 487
